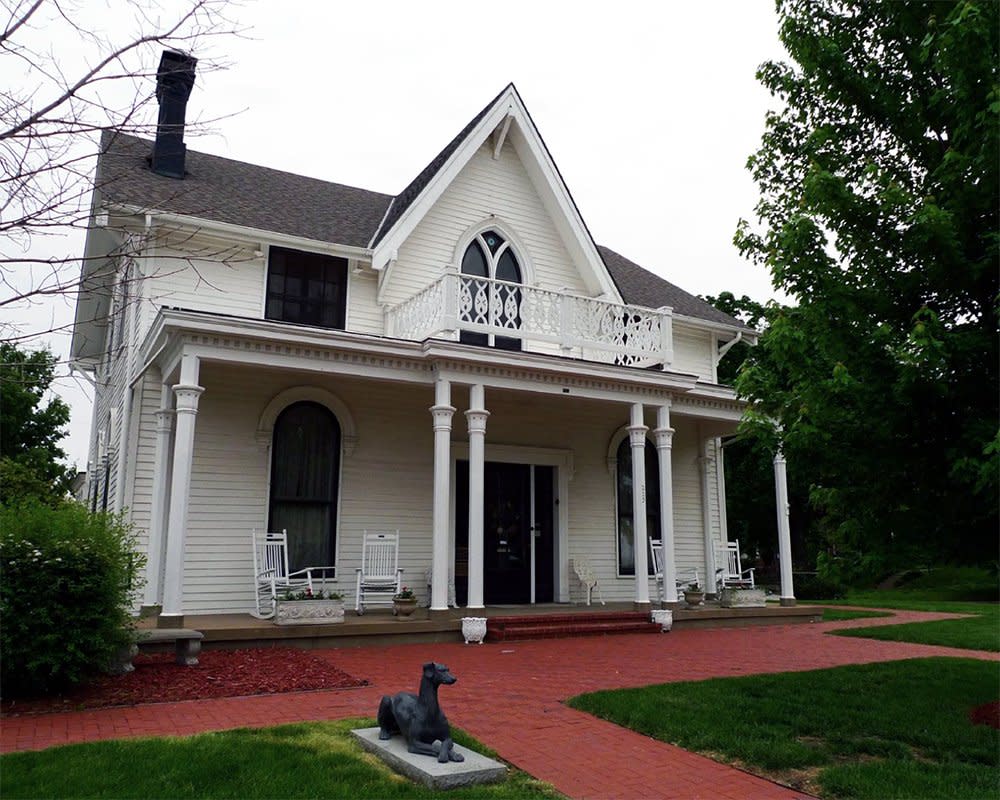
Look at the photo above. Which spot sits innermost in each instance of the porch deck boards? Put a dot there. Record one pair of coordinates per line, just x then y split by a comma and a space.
380, 627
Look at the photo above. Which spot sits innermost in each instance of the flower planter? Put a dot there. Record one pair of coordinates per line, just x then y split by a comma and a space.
693, 598
309, 612
474, 629
664, 618
742, 598
403, 608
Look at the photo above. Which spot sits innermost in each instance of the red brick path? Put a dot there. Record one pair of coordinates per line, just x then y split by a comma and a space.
509, 697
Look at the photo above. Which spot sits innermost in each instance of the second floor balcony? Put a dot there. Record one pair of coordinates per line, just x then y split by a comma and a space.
515, 316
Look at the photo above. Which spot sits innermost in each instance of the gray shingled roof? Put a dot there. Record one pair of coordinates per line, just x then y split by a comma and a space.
641, 287
238, 193
406, 197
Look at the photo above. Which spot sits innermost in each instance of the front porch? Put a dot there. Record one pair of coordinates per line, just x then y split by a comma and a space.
229, 631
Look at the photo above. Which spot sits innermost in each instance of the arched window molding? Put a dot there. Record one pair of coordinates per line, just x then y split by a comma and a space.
298, 394
528, 275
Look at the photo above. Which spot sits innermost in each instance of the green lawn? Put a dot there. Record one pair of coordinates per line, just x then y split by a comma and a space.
894, 730
838, 614
307, 760
949, 589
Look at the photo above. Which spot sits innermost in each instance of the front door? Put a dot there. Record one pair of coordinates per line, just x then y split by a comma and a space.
517, 533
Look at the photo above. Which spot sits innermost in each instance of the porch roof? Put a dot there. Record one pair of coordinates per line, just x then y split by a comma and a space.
218, 337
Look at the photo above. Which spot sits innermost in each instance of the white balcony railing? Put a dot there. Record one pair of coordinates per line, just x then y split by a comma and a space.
580, 327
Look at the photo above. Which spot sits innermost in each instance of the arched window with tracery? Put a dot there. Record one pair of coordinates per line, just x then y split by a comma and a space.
490, 291
305, 465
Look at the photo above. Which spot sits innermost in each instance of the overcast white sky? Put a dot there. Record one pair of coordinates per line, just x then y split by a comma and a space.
649, 109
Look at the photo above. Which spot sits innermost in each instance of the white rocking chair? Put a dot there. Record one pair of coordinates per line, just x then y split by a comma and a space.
681, 582
379, 576
729, 571
587, 576
271, 573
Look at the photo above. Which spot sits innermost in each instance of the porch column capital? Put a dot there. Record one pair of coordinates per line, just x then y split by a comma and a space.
637, 435
442, 417
187, 397
663, 438
476, 418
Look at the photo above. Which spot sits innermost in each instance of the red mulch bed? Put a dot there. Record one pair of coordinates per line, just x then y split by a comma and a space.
220, 673
986, 714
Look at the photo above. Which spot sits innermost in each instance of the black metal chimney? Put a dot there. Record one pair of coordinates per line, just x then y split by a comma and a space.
174, 80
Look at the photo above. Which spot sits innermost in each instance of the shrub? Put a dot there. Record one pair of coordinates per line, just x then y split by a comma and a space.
814, 587
66, 580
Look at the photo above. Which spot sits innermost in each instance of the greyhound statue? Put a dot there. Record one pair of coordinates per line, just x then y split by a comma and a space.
419, 717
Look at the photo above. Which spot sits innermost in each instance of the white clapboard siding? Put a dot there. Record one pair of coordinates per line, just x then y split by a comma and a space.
386, 484
693, 351
483, 187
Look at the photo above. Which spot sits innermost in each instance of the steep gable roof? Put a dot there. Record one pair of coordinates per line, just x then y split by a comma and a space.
639, 286
405, 198
237, 193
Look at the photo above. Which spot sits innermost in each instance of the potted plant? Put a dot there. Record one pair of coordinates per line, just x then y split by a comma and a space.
308, 607
694, 595
404, 602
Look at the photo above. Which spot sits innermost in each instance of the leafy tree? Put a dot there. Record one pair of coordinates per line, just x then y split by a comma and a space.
878, 216
30, 428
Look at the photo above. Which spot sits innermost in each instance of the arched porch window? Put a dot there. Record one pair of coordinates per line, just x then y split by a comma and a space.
305, 464
489, 256
626, 517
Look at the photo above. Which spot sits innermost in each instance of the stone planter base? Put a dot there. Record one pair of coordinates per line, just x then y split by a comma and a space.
694, 599
742, 598
403, 608
309, 612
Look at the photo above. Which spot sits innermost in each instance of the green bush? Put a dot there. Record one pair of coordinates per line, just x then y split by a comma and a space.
66, 583
813, 587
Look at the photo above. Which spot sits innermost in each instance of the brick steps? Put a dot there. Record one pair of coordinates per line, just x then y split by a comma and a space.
553, 626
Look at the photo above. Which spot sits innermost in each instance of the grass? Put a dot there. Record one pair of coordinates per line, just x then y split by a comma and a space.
947, 589
303, 760
893, 730
839, 614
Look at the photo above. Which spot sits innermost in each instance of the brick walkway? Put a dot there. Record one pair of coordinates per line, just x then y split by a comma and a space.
509, 697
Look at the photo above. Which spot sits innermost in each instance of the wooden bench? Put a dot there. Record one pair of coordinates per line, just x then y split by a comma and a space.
187, 643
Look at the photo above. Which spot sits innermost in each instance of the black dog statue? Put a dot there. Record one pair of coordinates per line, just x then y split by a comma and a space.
419, 717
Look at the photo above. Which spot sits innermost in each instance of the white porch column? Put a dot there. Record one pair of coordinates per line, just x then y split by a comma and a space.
477, 416
187, 393
442, 412
707, 479
784, 531
663, 436
637, 439
161, 495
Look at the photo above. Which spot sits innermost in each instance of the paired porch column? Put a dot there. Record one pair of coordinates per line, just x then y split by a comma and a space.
637, 439
161, 495
442, 412
187, 393
784, 531
477, 416
707, 478
663, 436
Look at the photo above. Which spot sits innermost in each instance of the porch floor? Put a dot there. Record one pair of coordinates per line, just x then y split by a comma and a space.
379, 626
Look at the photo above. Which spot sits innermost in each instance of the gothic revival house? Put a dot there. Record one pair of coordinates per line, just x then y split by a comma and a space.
460, 362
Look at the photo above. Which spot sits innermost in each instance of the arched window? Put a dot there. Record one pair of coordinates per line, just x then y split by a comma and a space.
626, 517
489, 256
305, 462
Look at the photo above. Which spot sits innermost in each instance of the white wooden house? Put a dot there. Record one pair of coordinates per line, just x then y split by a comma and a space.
460, 362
